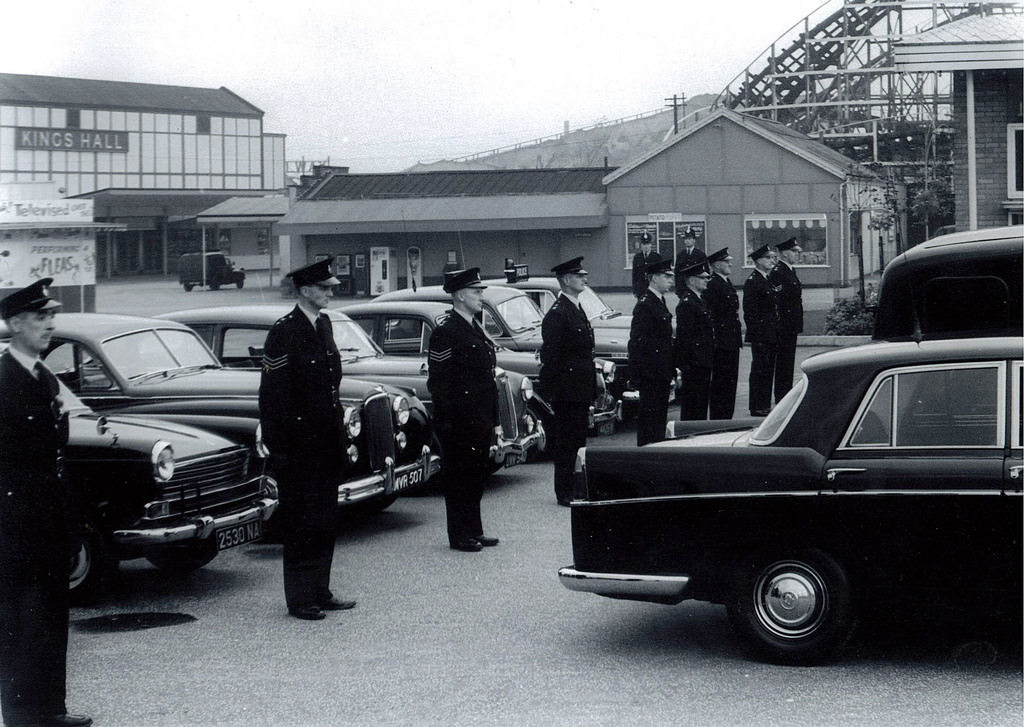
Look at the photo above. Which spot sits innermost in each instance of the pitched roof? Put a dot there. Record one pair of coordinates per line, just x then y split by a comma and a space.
472, 183
89, 93
976, 42
800, 144
972, 29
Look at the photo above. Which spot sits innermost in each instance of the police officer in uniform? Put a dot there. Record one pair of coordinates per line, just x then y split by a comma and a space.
724, 304
567, 376
651, 368
695, 342
304, 428
36, 520
460, 377
788, 293
641, 260
690, 255
761, 314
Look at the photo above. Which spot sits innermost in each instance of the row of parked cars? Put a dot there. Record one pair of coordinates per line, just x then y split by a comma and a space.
888, 479
165, 448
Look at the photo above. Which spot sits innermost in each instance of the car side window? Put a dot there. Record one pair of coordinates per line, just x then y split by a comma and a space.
875, 426
242, 345
366, 324
493, 328
403, 335
77, 368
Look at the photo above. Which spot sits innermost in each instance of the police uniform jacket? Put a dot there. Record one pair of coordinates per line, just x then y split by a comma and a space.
650, 341
695, 335
788, 295
34, 502
760, 311
686, 259
640, 264
302, 417
460, 377
724, 305
567, 354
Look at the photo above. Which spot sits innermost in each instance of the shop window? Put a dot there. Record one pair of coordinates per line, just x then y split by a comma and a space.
668, 230
1014, 161
202, 123
811, 232
74, 119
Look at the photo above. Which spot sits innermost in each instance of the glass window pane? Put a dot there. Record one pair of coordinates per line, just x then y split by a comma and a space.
875, 427
951, 408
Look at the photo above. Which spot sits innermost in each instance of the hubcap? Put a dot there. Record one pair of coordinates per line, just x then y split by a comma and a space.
80, 564
790, 599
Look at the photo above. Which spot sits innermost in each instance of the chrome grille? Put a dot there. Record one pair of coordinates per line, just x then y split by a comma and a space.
378, 428
507, 407
211, 483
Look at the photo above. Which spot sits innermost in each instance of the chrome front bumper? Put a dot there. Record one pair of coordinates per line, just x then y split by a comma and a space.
518, 448
662, 589
195, 528
383, 483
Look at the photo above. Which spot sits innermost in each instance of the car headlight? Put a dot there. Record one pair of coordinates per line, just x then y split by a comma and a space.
162, 457
353, 454
353, 422
400, 410
609, 371
261, 447
526, 389
528, 424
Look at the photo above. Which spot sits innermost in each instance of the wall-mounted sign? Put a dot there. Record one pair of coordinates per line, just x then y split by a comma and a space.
70, 140
61, 212
68, 256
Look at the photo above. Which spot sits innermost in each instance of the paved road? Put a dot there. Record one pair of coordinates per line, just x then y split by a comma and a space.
490, 638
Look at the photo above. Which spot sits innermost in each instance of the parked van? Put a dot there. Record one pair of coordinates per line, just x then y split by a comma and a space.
219, 271
967, 284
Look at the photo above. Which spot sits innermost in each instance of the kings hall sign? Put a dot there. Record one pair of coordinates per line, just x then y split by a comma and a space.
70, 140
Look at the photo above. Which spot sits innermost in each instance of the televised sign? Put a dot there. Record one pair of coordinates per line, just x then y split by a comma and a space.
70, 140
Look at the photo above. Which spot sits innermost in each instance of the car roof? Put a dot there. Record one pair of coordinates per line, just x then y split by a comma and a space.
426, 307
104, 325
265, 314
910, 353
989, 241
494, 294
531, 283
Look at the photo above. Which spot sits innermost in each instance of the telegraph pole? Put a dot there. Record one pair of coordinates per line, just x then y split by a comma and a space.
677, 101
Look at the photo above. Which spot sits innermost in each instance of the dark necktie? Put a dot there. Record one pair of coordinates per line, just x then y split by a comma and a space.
323, 329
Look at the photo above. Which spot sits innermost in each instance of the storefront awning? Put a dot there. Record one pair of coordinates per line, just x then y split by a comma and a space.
245, 211
115, 226
445, 214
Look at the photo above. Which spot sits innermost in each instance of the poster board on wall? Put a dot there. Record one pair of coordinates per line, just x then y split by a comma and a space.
667, 229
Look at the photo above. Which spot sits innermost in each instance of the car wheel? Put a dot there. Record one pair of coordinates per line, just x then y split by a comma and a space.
91, 566
214, 286
793, 609
240, 284
188, 287
184, 558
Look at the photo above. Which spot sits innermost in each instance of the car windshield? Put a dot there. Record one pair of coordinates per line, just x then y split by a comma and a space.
520, 313
352, 340
592, 304
773, 423
139, 354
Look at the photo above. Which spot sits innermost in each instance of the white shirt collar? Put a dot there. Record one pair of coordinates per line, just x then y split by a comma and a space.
29, 362
574, 301
311, 317
468, 317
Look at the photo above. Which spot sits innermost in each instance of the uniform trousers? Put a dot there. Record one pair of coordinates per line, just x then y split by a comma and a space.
785, 360
694, 395
571, 423
652, 412
762, 371
724, 375
33, 642
309, 506
465, 467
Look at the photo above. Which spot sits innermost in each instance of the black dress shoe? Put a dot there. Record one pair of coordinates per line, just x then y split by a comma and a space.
486, 540
467, 545
336, 604
563, 503
67, 720
309, 613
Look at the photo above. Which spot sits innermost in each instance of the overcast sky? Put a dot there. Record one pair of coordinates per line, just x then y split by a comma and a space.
379, 85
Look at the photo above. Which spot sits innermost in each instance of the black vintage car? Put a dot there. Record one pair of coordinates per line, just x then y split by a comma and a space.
403, 328
512, 319
173, 494
219, 270
891, 473
236, 335
162, 369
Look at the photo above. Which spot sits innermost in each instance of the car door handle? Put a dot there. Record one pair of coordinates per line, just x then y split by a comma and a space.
836, 471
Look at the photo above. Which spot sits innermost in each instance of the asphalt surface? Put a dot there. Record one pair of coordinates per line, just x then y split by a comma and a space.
442, 638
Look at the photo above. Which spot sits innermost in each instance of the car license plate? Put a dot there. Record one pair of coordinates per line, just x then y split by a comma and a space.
408, 479
238, 534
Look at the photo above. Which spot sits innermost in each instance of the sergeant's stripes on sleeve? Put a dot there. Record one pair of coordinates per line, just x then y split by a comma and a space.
442, 355
272, 363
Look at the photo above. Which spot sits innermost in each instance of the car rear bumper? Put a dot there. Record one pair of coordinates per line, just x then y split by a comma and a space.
658, 588
391, 479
